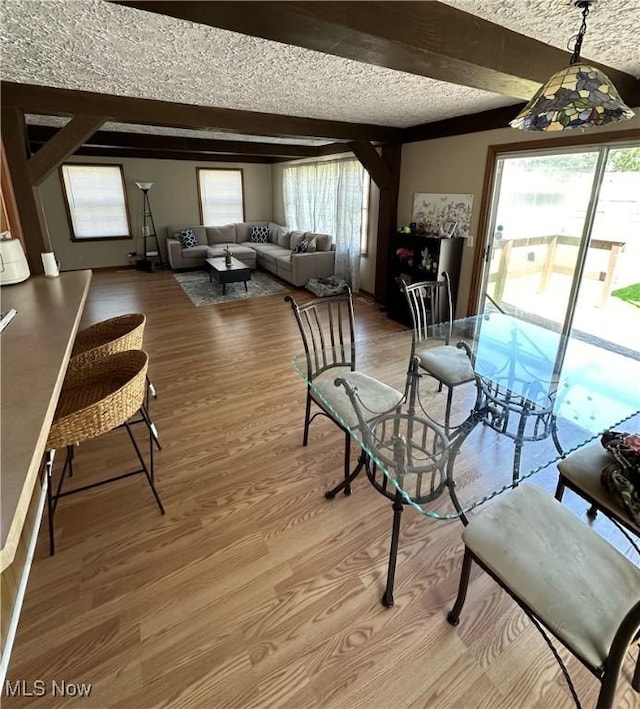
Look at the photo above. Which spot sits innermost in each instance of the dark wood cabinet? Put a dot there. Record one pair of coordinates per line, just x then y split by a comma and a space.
420, 258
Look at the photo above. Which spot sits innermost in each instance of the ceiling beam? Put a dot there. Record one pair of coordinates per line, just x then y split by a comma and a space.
28, 201
148, 141
373, 164
60, 145
172, 155
45, 100
461, 125
426, 38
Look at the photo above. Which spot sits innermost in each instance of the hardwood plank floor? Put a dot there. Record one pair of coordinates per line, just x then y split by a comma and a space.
253, 590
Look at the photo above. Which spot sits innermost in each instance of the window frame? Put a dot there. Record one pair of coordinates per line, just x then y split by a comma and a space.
219, 169
366, 210
90, 239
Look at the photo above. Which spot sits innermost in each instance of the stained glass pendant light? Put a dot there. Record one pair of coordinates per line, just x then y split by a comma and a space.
578, 96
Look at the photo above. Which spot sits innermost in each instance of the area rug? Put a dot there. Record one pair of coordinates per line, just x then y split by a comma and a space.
196, 285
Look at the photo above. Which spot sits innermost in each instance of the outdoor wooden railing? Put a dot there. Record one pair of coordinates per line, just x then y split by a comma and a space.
547, 265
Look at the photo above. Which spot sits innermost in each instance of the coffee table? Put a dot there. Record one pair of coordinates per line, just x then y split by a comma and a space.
224, 274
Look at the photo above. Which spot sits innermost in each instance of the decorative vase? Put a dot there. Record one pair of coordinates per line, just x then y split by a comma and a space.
227, 259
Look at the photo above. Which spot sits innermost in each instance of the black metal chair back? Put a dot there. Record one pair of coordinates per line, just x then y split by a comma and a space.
431, 308
327, 327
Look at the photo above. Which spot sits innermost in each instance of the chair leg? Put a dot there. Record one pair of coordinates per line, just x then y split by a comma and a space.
144, 467
307, 415
453, 616
150, 425
447, 413
363, 461
48, 468
635, 682
347, 464
609, 680
560, 488
387, 596
151, 391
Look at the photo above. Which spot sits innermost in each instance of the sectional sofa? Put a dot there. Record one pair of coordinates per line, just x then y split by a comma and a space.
275, 256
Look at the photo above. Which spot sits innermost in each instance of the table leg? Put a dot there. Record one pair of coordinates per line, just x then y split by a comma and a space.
246, 290
224, 288
387, 598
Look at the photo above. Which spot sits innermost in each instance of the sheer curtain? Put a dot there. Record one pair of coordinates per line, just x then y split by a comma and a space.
326, 197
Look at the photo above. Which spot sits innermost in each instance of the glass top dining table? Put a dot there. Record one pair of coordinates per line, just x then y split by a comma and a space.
569, 388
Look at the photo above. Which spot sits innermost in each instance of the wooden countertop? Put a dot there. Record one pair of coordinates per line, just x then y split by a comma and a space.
34, 348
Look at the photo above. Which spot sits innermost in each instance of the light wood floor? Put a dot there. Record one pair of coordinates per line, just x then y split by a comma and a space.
253, 590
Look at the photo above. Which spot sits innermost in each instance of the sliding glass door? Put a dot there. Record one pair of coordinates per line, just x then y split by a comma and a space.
564, 241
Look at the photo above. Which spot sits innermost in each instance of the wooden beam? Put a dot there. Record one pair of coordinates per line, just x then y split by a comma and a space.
473, 123
372, 163
426, 38
10, 210
34, 227
46, 100
64, 143
387, 219
173, 155
146, 141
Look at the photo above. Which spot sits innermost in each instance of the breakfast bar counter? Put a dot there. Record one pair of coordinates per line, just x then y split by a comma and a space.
35, 348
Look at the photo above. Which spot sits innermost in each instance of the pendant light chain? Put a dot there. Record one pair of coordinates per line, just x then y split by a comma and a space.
575, 57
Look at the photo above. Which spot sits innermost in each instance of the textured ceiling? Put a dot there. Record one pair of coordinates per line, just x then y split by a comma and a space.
93, 45
613, 26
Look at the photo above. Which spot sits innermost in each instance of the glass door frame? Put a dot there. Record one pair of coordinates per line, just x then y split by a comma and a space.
482, 252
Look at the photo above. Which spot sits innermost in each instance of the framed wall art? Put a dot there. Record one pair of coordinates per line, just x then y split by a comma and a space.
436, 214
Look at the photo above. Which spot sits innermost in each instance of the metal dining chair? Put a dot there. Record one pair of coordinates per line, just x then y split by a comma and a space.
432, 316
581, 472
327, 329
569, 581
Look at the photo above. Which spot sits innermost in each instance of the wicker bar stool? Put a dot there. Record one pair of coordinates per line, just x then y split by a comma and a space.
98, 397
117, 334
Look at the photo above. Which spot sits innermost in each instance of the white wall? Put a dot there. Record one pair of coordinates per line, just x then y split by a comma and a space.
173, 199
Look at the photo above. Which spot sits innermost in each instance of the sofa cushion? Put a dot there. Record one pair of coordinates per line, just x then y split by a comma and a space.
301, 247
323, 241
259, 234
195, 254
274, 232
296, 236
221, 234
188, 239
263, 248
284, 238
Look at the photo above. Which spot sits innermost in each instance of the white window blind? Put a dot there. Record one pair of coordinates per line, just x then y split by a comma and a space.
96, 201
221, 196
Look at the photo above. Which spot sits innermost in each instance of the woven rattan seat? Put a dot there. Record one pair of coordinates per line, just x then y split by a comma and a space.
104, 338
97, 397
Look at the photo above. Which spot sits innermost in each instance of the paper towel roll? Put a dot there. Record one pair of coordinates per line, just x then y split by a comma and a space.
50, 265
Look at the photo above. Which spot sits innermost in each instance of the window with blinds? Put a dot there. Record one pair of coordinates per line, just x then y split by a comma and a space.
96, 202
221, 196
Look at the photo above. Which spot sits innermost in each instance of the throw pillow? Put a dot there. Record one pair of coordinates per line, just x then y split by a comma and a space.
188, 239
259, 234
301, 247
